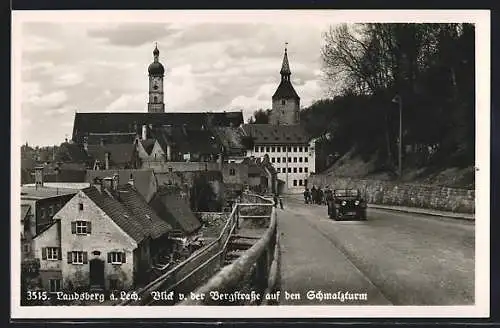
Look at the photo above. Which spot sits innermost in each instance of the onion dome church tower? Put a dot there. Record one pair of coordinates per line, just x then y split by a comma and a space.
156, 73
286, 102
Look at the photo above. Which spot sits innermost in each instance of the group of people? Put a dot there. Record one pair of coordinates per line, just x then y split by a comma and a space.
317, 195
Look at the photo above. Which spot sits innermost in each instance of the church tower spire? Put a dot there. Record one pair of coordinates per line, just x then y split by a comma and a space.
285, 66
156, 72
286, 102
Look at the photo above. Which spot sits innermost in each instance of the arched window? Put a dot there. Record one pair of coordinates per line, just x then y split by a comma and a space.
155, 99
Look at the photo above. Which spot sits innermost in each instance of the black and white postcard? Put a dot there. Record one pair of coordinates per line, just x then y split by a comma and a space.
236, 164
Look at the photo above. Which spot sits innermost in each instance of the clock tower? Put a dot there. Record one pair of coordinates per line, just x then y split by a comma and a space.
156, 73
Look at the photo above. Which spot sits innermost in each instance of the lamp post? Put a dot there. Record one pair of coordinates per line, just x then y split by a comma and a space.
397, 99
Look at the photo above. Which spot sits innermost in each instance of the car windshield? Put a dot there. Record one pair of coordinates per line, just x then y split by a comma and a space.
346, 192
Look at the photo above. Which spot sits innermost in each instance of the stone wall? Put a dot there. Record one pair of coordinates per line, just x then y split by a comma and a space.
404, 194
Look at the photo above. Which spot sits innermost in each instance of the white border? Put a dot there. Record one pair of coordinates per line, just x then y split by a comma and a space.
481, 18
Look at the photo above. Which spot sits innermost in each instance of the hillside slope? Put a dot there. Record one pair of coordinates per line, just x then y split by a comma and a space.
351, 165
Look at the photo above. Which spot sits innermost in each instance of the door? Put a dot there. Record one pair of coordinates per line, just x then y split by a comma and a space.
96, 274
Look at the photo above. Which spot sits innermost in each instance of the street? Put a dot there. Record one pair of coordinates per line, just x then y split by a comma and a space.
395, 258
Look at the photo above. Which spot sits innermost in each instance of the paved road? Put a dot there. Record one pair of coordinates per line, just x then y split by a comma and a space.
395, 258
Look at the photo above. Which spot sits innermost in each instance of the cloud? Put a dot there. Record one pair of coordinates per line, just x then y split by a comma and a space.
35, 43
130, 35
127, 103
68, 79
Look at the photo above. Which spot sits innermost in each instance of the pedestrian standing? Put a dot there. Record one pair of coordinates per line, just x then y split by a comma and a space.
281, 203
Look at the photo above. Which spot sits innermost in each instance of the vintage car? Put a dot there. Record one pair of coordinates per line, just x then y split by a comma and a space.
346, 203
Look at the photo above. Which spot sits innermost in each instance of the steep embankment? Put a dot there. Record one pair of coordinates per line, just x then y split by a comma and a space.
354, 166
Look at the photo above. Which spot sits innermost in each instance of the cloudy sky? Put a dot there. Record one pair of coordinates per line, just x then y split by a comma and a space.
210, 66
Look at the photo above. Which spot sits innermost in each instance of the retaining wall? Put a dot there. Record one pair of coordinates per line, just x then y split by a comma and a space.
404, 194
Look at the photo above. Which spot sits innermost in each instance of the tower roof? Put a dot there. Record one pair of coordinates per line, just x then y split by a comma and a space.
285, 66
156, 68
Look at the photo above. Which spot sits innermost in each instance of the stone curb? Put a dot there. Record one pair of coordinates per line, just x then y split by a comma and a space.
458, 216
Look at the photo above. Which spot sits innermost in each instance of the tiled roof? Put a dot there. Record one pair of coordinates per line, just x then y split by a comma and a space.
285, 90
176, 211
111, 138
276, 134
148, 145
25, 209
45, 192
144, 179
118, 208
86, 123
119, 153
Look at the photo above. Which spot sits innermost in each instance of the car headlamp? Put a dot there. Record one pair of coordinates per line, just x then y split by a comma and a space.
343, 203
356, 202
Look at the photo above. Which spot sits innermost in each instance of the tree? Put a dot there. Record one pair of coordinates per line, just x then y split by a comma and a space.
261, 116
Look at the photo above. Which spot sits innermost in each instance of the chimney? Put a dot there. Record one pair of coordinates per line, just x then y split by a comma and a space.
144, 132
38, 176
169, 152
131, 180
116, 181
107, 183
106, 160
98, 183
86, 144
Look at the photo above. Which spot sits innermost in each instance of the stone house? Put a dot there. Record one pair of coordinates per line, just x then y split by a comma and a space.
105, 238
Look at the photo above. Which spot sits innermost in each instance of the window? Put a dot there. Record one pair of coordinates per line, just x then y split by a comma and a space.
170, 169
300, 170
306, 149
278, 159
42, 213
51, 253
272, 149
283, 102
80, 206
283, 159
300, 150
267, 149
306, 169
262, 148
278, 148
77, 257
300, 182
289, 148
295, 183
232, 171
26, 248
278, 170
300, 159
116, 257
305, 182
81, 227
289, 159
51, 211
306, 159
295, 149
294, 170
295, 159
273, 160
289, 170
155, 99
55, 285
256, 149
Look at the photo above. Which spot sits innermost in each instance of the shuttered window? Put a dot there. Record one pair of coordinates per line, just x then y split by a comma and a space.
116, 257
51, 253
81, 227
77, 257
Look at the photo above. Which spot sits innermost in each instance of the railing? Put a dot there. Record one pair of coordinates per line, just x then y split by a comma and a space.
255, 274
196, 269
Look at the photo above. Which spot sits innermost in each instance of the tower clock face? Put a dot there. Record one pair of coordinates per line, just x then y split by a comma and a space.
155, 86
